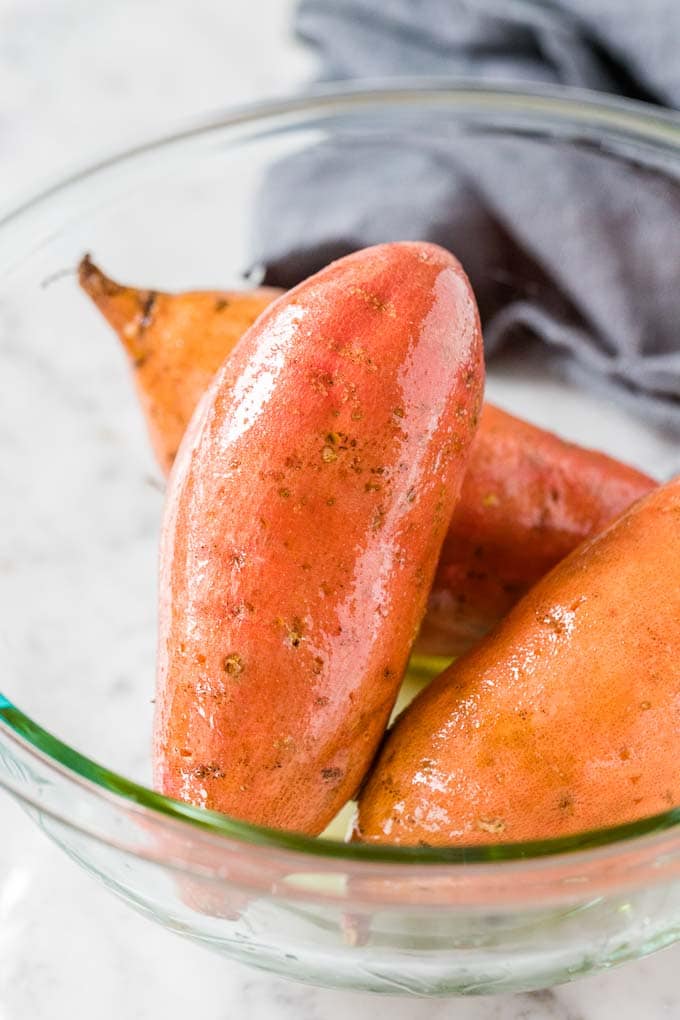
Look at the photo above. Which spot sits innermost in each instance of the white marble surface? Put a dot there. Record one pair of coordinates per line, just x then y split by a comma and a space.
77, 78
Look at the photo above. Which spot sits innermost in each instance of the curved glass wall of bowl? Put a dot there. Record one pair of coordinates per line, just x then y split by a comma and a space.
382, 926
79, 528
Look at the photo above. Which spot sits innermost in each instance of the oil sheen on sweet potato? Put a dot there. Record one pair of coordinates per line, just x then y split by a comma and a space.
528, 497
306, 511
566, 718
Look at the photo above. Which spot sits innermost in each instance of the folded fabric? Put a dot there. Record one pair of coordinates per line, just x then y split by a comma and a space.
563, 242
620, 46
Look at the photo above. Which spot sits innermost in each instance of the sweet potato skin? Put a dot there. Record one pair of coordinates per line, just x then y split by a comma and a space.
175, 344
528, 499
565, 719
305, 515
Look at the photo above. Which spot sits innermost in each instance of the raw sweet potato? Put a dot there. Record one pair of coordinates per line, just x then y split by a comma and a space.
306, 511
175, 343
565, 719
528, 498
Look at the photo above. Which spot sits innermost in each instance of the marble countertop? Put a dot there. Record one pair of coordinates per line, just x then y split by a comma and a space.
77, 79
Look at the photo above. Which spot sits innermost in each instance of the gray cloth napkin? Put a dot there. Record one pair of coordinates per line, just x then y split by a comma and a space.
563, 244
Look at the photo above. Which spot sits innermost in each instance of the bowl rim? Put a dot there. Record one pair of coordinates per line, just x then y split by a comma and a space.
626, 117
622, 119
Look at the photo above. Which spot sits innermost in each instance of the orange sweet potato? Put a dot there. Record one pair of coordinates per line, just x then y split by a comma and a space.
565, 719
528, 498
175, 343
306, 511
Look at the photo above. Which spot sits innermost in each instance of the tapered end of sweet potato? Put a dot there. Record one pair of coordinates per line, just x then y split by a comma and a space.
175, 344
126, 309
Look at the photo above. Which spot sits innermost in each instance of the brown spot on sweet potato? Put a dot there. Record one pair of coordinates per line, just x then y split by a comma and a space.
378, 519
322, 382
210, 771
295, 632
148, 305
356, 354
233, 664
495, 826
374, 301
554, 620
286, 744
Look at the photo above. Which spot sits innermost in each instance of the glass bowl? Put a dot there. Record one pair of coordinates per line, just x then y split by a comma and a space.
81, 506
